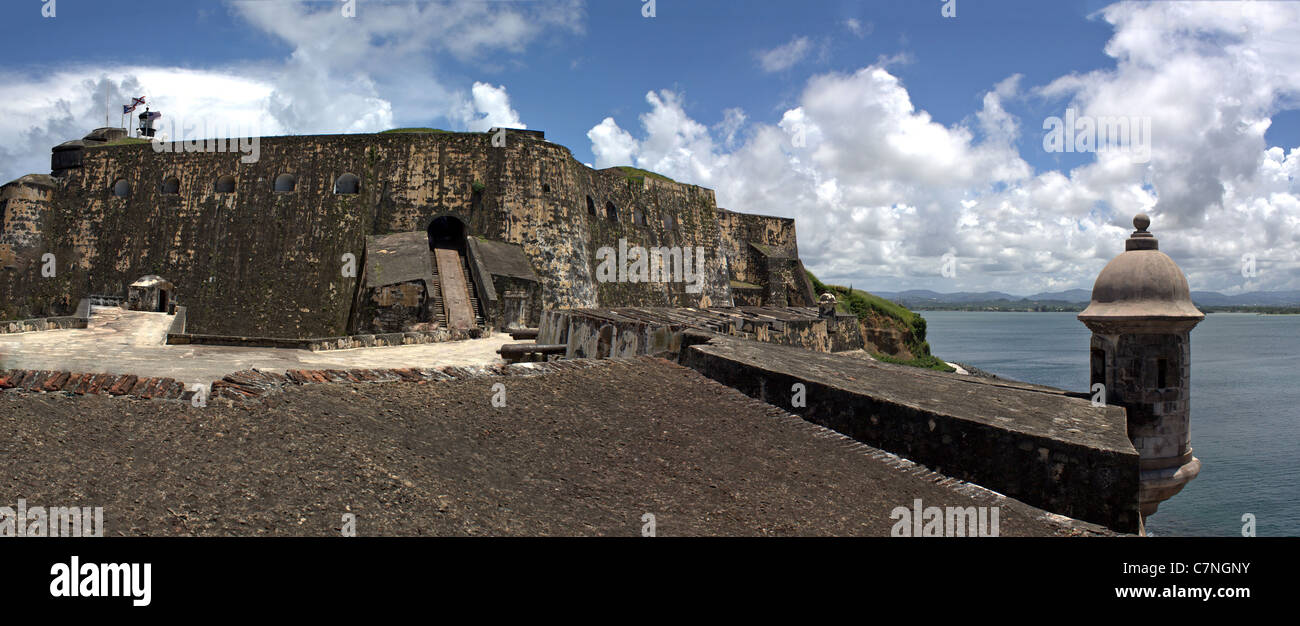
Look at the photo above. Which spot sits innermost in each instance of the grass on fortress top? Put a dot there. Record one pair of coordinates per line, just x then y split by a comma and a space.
637, 174
859, 302
414, 130
124, 141
874, 310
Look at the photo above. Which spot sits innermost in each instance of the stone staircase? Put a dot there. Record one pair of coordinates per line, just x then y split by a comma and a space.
438, 304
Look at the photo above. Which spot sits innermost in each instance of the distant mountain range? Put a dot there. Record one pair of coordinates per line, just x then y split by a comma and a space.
921, 297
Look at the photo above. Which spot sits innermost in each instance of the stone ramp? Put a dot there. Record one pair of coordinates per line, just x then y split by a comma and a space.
455, 289
129, 328
1039, 445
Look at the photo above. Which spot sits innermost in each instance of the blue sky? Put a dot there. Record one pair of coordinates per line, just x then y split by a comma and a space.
924, 133
707, 49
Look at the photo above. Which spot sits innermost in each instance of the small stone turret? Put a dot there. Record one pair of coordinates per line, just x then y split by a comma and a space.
826, 305
1141, 317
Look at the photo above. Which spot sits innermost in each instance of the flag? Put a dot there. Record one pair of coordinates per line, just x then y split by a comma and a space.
152, 115
135, 102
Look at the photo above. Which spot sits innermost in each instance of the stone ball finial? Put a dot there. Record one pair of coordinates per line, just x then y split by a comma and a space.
827, 298
1141, 221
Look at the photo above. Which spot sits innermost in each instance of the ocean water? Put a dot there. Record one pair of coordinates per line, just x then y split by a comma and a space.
1245, 405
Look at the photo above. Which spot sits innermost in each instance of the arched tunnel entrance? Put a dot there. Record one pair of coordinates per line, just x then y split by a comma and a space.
454, 290
447, 232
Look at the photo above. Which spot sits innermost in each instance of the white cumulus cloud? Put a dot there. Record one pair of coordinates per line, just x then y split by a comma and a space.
489, 107
785, 56
881, 191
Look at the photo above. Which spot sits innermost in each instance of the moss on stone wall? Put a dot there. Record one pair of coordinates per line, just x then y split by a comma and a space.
124, 141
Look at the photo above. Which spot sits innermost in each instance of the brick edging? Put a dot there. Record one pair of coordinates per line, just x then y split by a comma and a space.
48, 381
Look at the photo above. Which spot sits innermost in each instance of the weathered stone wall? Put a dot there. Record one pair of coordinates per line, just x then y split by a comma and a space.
320, 344
887, 340
1035, 444
402, 307
24, 204
253, 259
672, 215
787, 283
79, 318
258, 261
1130, 367
738, 230
519, 302
44, 323
626, 331
22, 211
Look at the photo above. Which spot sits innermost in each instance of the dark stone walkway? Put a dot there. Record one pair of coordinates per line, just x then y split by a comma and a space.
574, 452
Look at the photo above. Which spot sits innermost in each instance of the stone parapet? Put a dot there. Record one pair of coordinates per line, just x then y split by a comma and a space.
633, 331
1042, 446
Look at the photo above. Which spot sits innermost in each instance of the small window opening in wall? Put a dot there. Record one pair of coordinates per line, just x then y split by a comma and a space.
171, 186
285, 182
611, 211
347, 184
668, 221
121, 188
1162, 373
638, 217
1098, 366
591, 206
546, 188
225, 184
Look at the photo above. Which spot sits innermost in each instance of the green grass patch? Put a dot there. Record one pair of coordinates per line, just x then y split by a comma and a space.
929, 362
414, 130
124, 141
871, 308
861, 302
638, 175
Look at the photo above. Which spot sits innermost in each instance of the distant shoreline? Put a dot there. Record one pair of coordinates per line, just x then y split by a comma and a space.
975, 308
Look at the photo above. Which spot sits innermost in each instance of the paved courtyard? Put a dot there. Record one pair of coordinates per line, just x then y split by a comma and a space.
133, 342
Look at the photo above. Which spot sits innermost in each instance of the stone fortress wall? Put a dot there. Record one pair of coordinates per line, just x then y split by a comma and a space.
249, 260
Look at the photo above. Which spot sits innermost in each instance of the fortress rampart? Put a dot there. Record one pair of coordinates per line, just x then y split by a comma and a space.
258, 248
1039, 445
